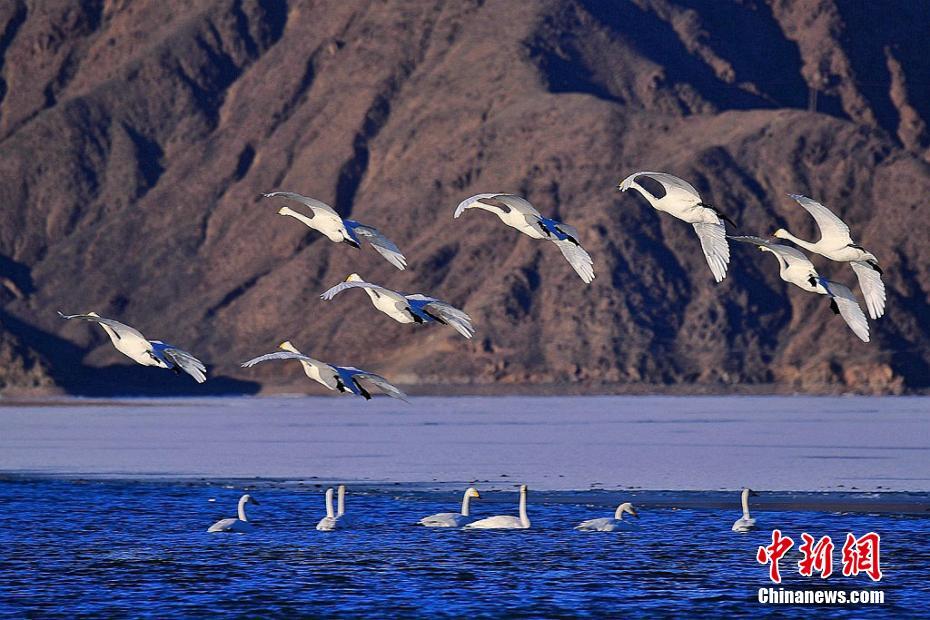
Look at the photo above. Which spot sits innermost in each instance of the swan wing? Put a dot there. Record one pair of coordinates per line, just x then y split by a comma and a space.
714, 244
831, 227
790, 254
283, 355
443, 519
344, 286
121, 329
578, 258
229, 525
385, 247
604, 524
186, 362
677, 188
873, 289
460, 209
314, 204
496, 523
377, 380
452, 316
850, 310
514, 203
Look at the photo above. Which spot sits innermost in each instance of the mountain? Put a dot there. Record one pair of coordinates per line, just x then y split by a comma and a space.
136, 138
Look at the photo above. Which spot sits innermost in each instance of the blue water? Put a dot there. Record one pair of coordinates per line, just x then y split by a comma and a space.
109, 548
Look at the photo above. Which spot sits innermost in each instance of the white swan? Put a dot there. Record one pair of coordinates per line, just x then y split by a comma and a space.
324, 219
682, 201
329, 522
836, 244
607, 524
745, 523
453, 519
795, 268
504, 522
517, 212
343, 379
407, 308
239, 525
131, 343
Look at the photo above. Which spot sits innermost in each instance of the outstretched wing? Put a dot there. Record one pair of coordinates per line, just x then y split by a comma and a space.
281, 355
514, 203
313, 203
873, 289
450, 315
674, 186
714, 244
850, 310
186, 362
121, 329
383, 245
578, 258
383, 384
460, 209
343, 286
789, 254
831, 227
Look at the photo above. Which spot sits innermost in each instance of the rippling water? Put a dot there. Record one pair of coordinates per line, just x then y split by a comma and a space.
110, 548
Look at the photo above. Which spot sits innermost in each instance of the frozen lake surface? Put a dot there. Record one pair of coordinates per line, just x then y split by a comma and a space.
551, 443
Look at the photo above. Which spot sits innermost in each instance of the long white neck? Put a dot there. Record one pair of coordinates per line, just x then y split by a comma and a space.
649, 196
329, 503
745, 502
242, 515
341, 501
807, 245
495, 210
465, 502
524, 519
297, 216
618, 515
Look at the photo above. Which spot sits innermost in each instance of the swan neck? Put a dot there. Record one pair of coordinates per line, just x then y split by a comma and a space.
341, 502
297, 216
745, 502
618, 515
465, 505
524, 519
807, 245
241, 511
329, 504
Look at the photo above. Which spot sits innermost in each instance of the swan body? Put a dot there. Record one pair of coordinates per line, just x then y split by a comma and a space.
402, 308
517, 212
239, 525
836, 244
329, 522
342, 379
453, 519
324, 219
504, 522
682, 201
745, 523
795, 268
608, 524
131, 343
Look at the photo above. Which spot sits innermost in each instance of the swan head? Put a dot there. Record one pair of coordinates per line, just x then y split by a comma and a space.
747, 493
523, 489
626, 507
472, 492
781, 233
354, 277
287, 346
248, 499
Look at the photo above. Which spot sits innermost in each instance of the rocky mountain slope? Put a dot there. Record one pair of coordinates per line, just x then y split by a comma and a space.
135, 138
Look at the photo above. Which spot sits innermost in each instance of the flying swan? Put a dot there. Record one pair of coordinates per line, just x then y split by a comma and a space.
795, 268
681, 200
452, 519
517, 212
745, 523
240, 525
407, 308
836, 244
329, 522
607, 524
504, 522
324, 219
131, 343
343, 379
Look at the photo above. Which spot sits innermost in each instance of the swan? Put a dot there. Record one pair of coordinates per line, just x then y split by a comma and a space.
517, 212
452, 519
836, 244
682, 201
131, 343
504, 522
607, 524
240, 525
329, 522
745, 523
407, 308
343, 379
324, 219
795, 268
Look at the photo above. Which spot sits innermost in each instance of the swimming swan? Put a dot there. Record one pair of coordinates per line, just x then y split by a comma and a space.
240, 525
517, 212
407, 308
452, 519
134, 345
745, 523
795, 268
607, 524
324, 219
682, 201
504, 522
343, 379
836, 244
329, 522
